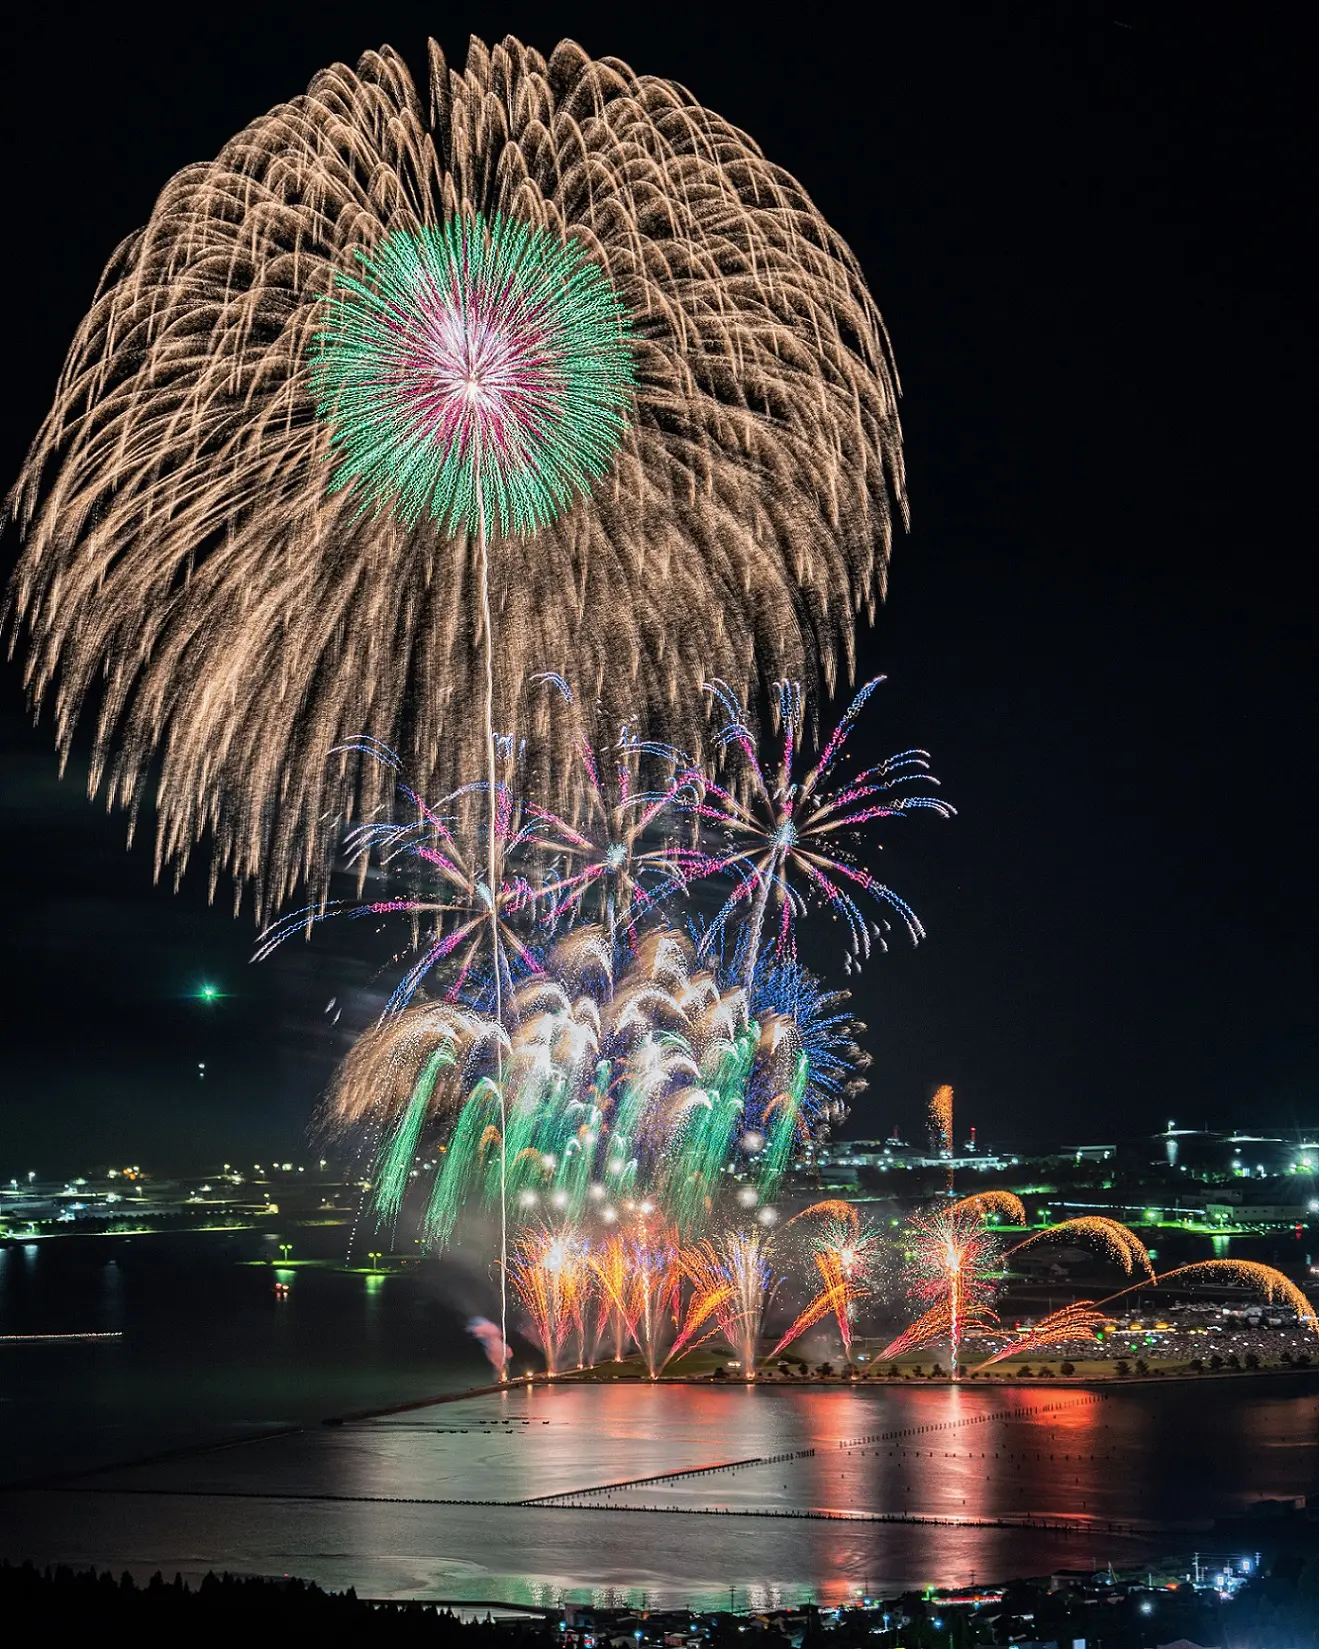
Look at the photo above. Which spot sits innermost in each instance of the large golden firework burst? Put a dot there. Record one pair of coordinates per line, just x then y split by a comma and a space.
189, 566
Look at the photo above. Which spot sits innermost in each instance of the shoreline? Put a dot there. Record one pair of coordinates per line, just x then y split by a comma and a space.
588, 1377
1070, 1382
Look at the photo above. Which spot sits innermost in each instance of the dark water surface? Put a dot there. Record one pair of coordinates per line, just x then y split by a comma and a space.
209, 1351
432, 1502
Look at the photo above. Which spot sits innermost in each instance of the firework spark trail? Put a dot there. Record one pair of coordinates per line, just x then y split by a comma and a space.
937, 1324
191, 566
702, 1319
1077, 1321
844, 1252
836, 1296
664, 1299
1119, 1243
550, 1277
992, 1204
610, 1262
950, 1256
941, 1118
851, 1246
654, 1289
930, 1325
1272, 1283
786, 831
830, 1208
732, 1271
746, 1261
842, 1290
448, 892
492, 884
610, 874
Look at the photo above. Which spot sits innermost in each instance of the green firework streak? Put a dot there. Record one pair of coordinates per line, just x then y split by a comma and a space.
462, 1161
708, 1137
782, 1132
394, 1163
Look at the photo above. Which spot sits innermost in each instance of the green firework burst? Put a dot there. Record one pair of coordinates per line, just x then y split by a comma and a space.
482, 365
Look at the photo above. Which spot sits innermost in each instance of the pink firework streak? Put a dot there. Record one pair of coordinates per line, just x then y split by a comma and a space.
787, 834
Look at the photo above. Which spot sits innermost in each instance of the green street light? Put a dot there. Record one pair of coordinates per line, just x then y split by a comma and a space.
209, 993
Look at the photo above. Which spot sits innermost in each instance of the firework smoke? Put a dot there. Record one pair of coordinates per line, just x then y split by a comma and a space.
492, 1343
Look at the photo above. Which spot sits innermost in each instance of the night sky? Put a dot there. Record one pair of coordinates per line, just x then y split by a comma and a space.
1087, 229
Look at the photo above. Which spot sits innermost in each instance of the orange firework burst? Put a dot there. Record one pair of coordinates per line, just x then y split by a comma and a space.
937, 1324
852, 1247
832, 1208
844, 1252
941, 1118
993, 1205
733, 1272
950, 1261
549, 1274
730, 1278
1074, 1322
654, 1289
664, 1319
1120, 1244
941, 1127
1271, 1282
612, 1271
837, 1296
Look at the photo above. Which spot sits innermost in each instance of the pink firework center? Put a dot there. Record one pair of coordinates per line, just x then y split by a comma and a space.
482, 380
